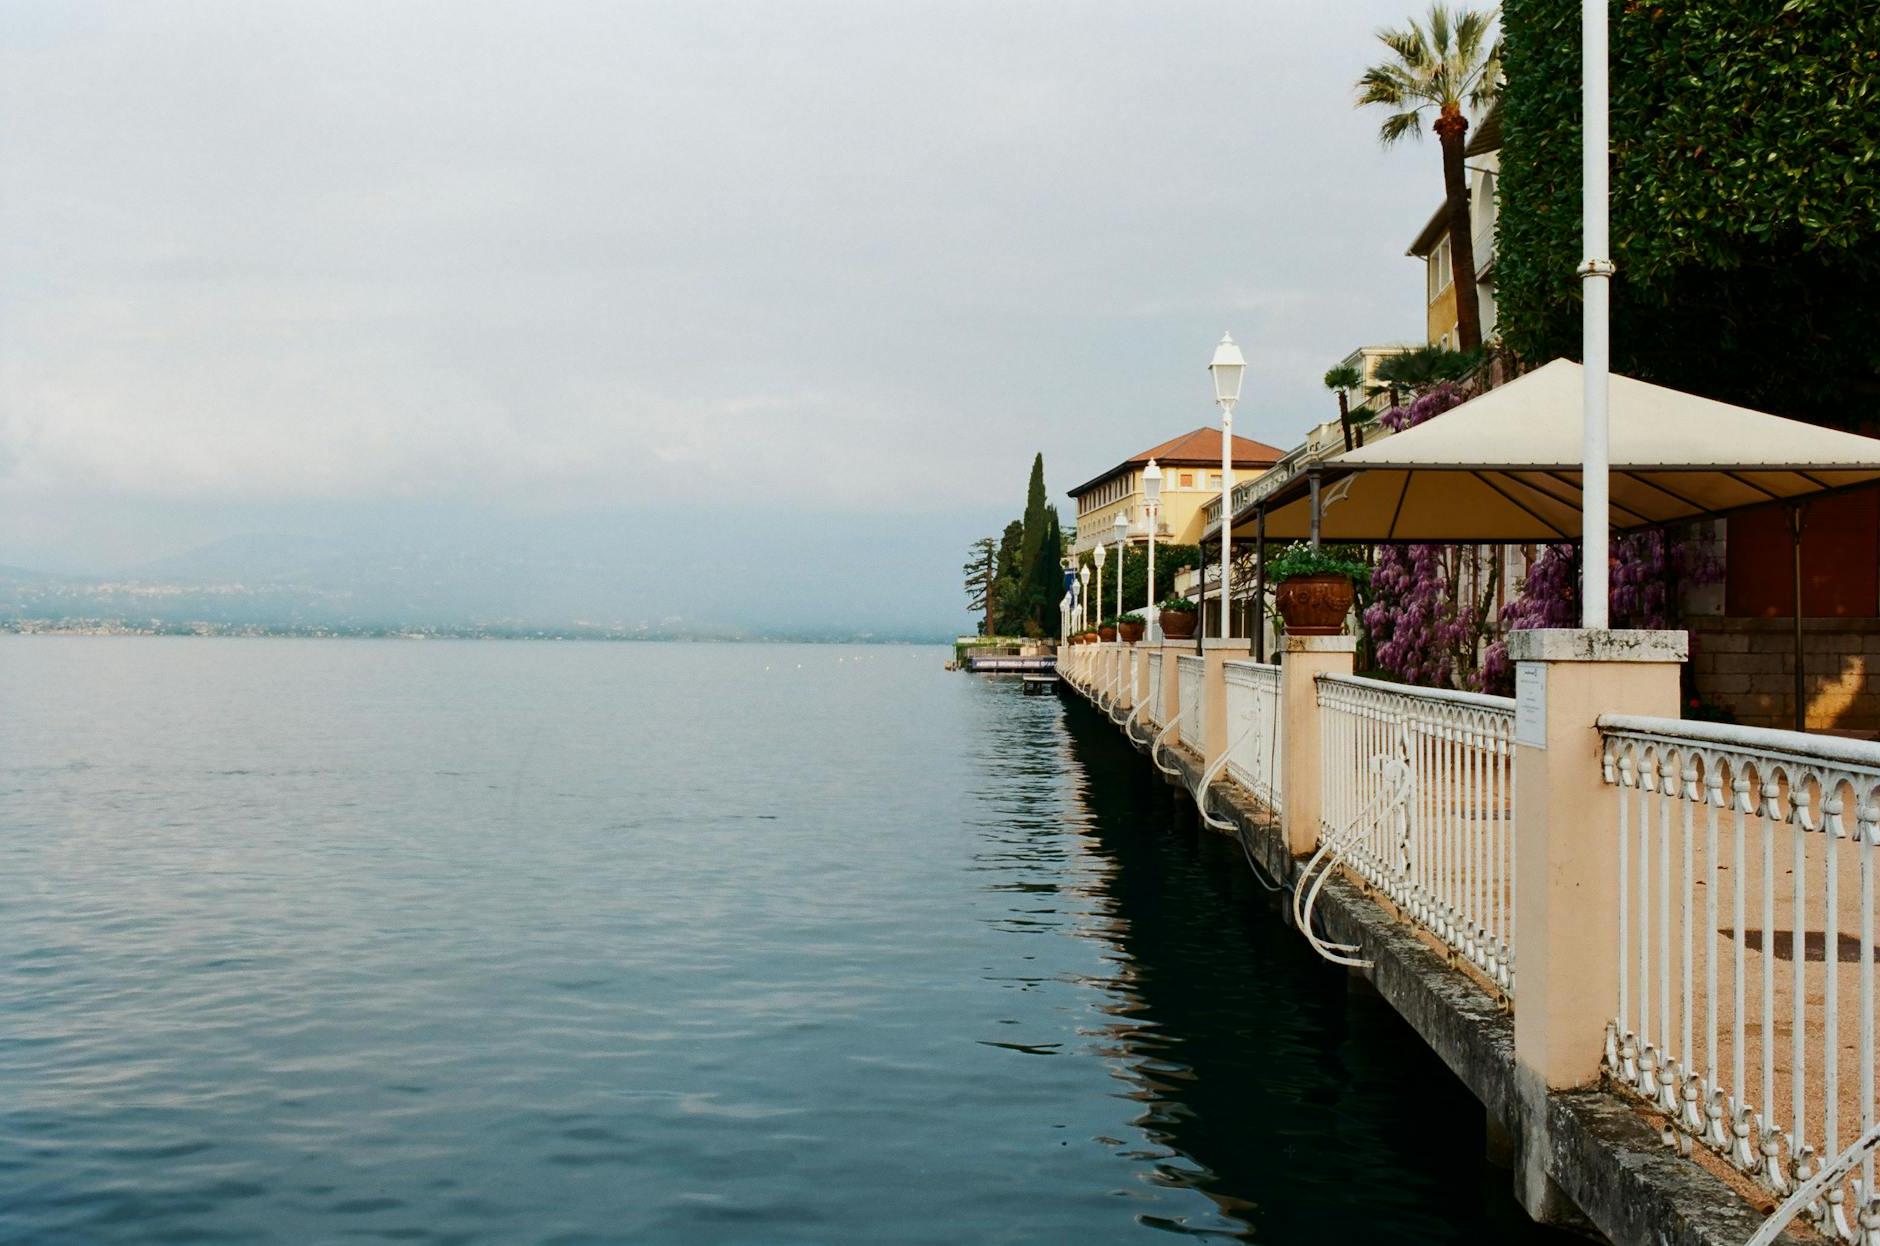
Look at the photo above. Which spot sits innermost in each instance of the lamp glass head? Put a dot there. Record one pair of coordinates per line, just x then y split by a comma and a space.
1098, 555
1152, 483
1120, 528
1228, 367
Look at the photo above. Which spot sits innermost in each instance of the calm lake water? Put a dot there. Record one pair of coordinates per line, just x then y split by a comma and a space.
310, 941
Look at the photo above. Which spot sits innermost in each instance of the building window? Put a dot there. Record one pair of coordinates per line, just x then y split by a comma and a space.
1439, 268
1188, 480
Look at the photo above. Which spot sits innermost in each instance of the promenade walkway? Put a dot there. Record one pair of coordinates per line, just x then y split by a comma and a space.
1657, 975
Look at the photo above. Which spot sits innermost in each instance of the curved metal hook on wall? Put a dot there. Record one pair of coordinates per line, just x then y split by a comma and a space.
1155, 749
1128, 730
1399, 781
1213, 772
1809, 1193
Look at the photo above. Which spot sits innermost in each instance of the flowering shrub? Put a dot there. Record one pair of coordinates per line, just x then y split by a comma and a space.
1420, 630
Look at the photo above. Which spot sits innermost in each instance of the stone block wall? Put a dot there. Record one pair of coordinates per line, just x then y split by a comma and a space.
1748, 667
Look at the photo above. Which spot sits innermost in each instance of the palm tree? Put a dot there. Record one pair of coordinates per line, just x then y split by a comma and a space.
1427, 366
1341, 381
1445, 64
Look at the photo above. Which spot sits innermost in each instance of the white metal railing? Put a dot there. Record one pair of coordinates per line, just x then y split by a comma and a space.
1253, 729
1190, 672
1152, 708
1746, 1001
1419, 796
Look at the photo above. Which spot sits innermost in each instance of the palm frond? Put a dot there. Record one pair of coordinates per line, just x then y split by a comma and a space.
1443, 61
1386, 85
1487, 85
1439, 28
1408, 46
1400, 126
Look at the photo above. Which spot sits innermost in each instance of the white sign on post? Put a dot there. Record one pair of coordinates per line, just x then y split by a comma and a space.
1530, 704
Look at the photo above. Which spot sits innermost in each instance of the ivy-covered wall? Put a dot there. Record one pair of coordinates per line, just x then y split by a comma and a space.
1745, 206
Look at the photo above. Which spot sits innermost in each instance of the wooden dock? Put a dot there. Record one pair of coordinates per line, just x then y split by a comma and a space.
1011, 663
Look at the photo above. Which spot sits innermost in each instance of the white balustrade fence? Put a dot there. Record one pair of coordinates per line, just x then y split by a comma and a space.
1746, 945
1253, 729
1190, 671
1152, 708
1418, 799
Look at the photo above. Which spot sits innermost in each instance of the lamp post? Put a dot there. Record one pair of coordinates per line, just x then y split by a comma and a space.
1227, 368
1064, 618
1083, 598
1151, 503
1121, 531
1097, 554
1596, 290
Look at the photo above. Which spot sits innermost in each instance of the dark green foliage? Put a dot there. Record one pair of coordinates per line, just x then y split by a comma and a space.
1168, 560
1044, 586
1036, 587
1416, 370
1745, 204
1007, 587
1302, 560
1180, 605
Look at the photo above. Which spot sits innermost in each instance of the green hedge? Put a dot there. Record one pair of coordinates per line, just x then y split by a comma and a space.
1746, 197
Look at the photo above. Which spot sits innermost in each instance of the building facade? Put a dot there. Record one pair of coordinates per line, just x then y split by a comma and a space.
1191, 478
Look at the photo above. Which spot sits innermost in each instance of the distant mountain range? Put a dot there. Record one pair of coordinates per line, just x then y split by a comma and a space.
261, 583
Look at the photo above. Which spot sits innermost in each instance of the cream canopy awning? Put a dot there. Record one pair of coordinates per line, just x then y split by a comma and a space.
1506, 467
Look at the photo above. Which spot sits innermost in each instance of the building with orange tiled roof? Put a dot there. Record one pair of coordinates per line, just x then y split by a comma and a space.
1191, 478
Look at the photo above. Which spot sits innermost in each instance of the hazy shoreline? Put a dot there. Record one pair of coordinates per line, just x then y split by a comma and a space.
109, 628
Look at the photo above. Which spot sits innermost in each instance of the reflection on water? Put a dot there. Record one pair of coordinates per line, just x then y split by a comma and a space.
312, 941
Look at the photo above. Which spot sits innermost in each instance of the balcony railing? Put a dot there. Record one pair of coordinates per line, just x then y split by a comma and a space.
1253, 729
1746, 1003
1190, 669
1419, 798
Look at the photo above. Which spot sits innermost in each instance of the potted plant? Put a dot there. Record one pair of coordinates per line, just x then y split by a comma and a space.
1130, 627
1178, 618
1106, 630
1315, 589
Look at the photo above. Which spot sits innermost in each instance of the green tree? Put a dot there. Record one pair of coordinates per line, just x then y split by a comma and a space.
1035, 551
1341, 381
1746, 198
1445, 63
1417, 370
1168, 560
981, 562
1045, 584
1007, 588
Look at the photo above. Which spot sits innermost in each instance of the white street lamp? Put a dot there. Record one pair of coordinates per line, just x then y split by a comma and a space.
1097, 555
1228, 367
1083, 598
1064, 617
1151, 503
1121, 531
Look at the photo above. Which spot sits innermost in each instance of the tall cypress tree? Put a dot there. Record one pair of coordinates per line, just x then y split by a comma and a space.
1047, 580
1035, 550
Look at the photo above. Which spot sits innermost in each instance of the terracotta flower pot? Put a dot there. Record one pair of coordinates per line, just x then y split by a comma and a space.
1106, 633
1315, 605
1130, 632
1178, 624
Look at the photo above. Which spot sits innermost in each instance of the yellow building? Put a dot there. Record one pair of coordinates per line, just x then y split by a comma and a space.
1191, 478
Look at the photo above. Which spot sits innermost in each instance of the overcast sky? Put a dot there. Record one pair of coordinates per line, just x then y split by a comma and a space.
323, 267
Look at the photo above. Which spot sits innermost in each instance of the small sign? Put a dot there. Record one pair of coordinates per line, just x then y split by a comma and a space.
1530, 704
